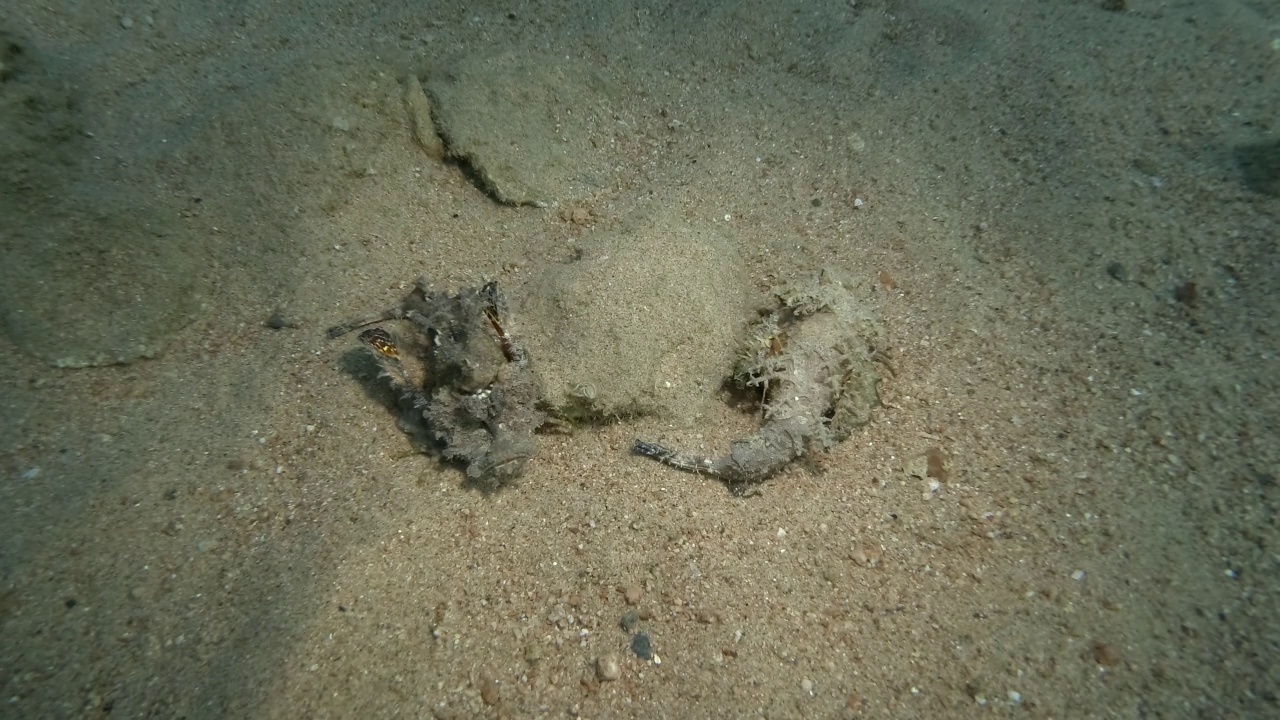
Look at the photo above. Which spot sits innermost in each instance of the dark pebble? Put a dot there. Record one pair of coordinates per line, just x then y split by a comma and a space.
1187, 293
629, 621
278, 321
641, 647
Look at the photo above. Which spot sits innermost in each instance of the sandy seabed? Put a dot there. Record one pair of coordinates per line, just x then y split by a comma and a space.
1066, 213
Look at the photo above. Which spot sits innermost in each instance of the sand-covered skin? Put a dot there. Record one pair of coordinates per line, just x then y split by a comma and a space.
1065, 507
811, 363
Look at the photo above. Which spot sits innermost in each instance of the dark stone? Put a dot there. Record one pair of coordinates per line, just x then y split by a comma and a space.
641, 646
629, 621
1117, 272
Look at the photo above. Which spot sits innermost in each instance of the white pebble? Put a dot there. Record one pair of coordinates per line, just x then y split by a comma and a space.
807, 686
126, 22
1077, 575
608, 668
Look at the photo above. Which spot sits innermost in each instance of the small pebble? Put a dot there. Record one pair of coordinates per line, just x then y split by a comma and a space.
608, 668
1117, 272
1105, 655
126, 22
641, 646
936, 464
807, 686
277, 320
633, 594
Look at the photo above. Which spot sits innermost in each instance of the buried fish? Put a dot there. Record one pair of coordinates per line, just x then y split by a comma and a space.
814, 361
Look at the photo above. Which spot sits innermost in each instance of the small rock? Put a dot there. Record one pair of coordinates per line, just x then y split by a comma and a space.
608, 668
277, 320
641, 646
1117, 272
490, 692
126, 22
633, 594
1187, 293
1105, 655
935, 463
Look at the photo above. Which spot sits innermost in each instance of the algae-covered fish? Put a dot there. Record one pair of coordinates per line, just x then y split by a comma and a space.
814, 359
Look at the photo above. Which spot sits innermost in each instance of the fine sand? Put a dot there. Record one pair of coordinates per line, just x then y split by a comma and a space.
1064, 214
